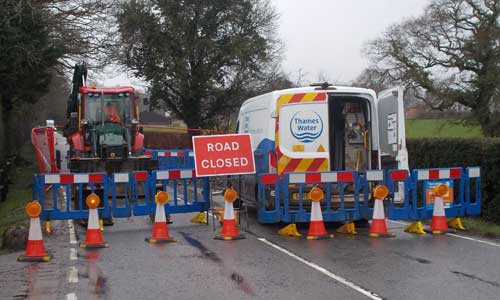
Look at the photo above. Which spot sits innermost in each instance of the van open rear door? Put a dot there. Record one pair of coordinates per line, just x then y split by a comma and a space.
391, 125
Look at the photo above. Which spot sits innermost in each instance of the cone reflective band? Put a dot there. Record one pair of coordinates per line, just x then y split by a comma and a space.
92, 201
160, 232
33, 209
93, 238
317, 230
316, 194
161, 197
229, 229
230, 195
440, 190
35, 250
378, 227
380, 192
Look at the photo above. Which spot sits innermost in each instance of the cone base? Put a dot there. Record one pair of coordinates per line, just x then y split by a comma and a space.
386, 235
229, 238
159, 241
24, 258
94, 245
320, 237
440, 231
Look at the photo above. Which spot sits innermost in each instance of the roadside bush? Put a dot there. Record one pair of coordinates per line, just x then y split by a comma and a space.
458, 152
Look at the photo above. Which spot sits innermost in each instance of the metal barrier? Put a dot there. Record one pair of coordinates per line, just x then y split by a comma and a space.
66, 197
473, 191
335, 186
399, 184
184, 190
368, 180
172, 159
423, 181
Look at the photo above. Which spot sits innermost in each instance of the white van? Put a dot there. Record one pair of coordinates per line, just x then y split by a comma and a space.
322, 128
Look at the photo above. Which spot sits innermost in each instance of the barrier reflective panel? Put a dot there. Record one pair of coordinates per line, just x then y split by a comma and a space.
269, 198
187, 192
341, 201
62, 196
172, 159
368, 181
399, 184
423, 198
473, 191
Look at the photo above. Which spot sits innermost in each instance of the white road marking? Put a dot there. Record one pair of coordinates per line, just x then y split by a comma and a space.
72, 235
71, 296
73, 275
342, 280
458, 236
72, 254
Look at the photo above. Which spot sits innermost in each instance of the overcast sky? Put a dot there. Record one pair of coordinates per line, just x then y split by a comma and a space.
326, 36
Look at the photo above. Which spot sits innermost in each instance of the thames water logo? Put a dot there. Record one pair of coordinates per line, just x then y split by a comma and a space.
306, 126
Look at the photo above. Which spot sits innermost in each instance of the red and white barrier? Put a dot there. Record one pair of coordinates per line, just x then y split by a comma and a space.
73, 178
322, 177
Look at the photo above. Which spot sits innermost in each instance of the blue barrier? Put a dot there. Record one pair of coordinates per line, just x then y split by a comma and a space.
473, 191
269, 198
399, 184
62, 196
334, 205
187, 193
423, 179
368, 180
172, 159
285, 199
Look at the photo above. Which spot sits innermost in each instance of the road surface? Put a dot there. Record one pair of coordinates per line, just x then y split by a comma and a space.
265, 265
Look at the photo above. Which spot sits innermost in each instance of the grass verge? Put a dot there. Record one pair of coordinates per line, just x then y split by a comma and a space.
481, 227
422, 128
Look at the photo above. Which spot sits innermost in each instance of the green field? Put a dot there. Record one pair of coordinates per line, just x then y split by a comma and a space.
420, 128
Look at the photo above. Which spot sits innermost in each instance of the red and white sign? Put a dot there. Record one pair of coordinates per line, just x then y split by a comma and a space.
226, 154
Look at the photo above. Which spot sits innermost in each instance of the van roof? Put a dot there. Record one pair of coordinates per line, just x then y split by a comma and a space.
315, 89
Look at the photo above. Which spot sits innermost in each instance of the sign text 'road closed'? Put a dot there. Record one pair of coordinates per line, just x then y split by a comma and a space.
223, 154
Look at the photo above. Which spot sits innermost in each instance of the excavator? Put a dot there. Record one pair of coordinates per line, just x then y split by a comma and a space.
103, 128
103, 132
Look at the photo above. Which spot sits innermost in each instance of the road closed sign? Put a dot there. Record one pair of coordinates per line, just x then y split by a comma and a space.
227, 154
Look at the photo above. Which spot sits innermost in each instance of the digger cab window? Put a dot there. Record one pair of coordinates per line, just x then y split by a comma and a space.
102, 108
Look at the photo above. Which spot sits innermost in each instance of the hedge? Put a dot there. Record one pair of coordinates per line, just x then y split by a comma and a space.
461, 152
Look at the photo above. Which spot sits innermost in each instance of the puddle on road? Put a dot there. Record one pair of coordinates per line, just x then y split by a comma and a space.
474, 277
236, 278
198, 245
417, 259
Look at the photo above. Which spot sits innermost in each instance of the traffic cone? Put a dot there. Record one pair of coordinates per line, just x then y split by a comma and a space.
35, 250
439, 225
229, 228
317, 230
378, 227
160, 230
93, 238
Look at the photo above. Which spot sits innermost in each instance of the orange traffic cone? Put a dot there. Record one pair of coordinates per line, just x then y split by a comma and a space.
35, 251
160, 231
317, 230
93, 239
439, 224
229, 228
378, 227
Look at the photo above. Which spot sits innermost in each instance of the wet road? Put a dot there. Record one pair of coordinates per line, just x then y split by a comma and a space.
263, 266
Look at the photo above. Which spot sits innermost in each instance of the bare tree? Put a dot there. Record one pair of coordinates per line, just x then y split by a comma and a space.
450, 54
